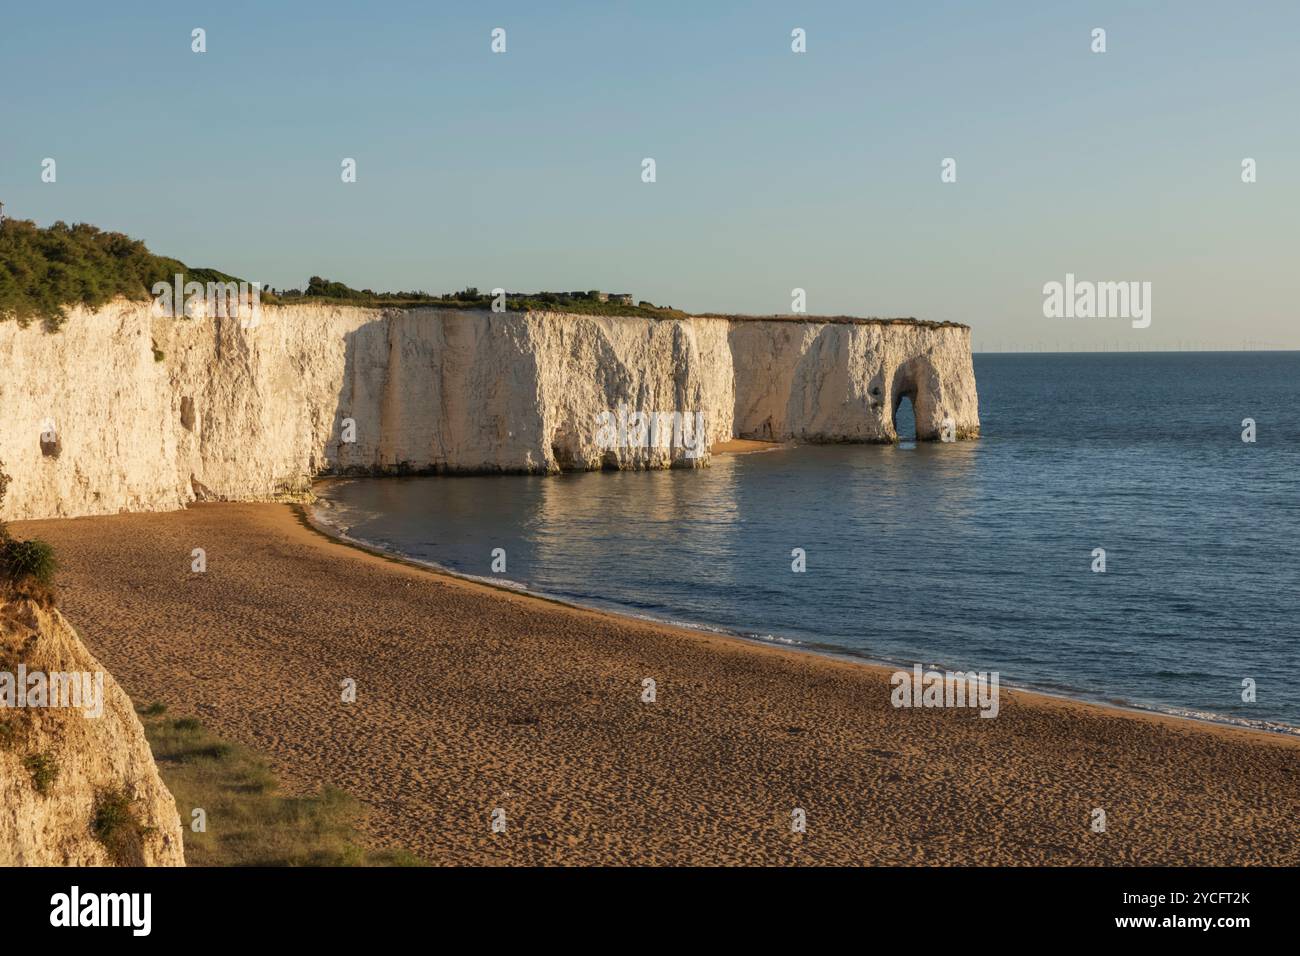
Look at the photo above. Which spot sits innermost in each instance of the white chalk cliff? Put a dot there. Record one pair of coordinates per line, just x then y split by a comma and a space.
92, 423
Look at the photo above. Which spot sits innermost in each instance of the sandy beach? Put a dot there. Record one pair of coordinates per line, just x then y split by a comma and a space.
470, 699
744, 446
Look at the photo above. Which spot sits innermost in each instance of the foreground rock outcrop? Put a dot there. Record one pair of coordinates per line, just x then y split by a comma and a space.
122, 411
76, 788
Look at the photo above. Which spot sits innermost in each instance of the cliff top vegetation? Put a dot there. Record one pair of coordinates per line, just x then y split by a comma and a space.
46, 271
581, 303
587, 303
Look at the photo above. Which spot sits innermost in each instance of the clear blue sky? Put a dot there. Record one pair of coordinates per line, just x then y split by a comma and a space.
775, 170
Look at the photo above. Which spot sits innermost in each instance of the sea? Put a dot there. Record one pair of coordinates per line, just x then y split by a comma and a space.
1111, 537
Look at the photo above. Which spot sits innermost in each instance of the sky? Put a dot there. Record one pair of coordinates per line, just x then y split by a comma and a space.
774, 170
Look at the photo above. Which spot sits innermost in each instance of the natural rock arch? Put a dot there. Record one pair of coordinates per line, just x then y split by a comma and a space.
918, 382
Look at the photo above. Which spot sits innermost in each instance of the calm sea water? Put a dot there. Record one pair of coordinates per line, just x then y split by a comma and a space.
969, 555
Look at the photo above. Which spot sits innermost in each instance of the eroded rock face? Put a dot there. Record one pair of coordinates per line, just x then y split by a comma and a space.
253, 413
58, 766
829, 382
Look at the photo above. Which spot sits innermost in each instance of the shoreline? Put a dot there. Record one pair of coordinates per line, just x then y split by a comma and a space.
473, 696
747, 446
311, 520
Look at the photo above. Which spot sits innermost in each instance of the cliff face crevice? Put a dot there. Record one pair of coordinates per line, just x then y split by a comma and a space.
254, 413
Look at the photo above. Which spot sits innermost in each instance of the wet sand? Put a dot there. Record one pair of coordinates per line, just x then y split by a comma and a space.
744, 446
470, 698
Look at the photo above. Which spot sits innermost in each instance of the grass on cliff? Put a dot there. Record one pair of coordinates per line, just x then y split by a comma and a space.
26, 567
33, 559
45, 272
117, 828
44, 770
326, 291
247, 822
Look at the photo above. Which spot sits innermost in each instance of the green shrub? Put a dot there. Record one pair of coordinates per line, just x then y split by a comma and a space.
43, 272
44, 771
28, 559
116, 827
